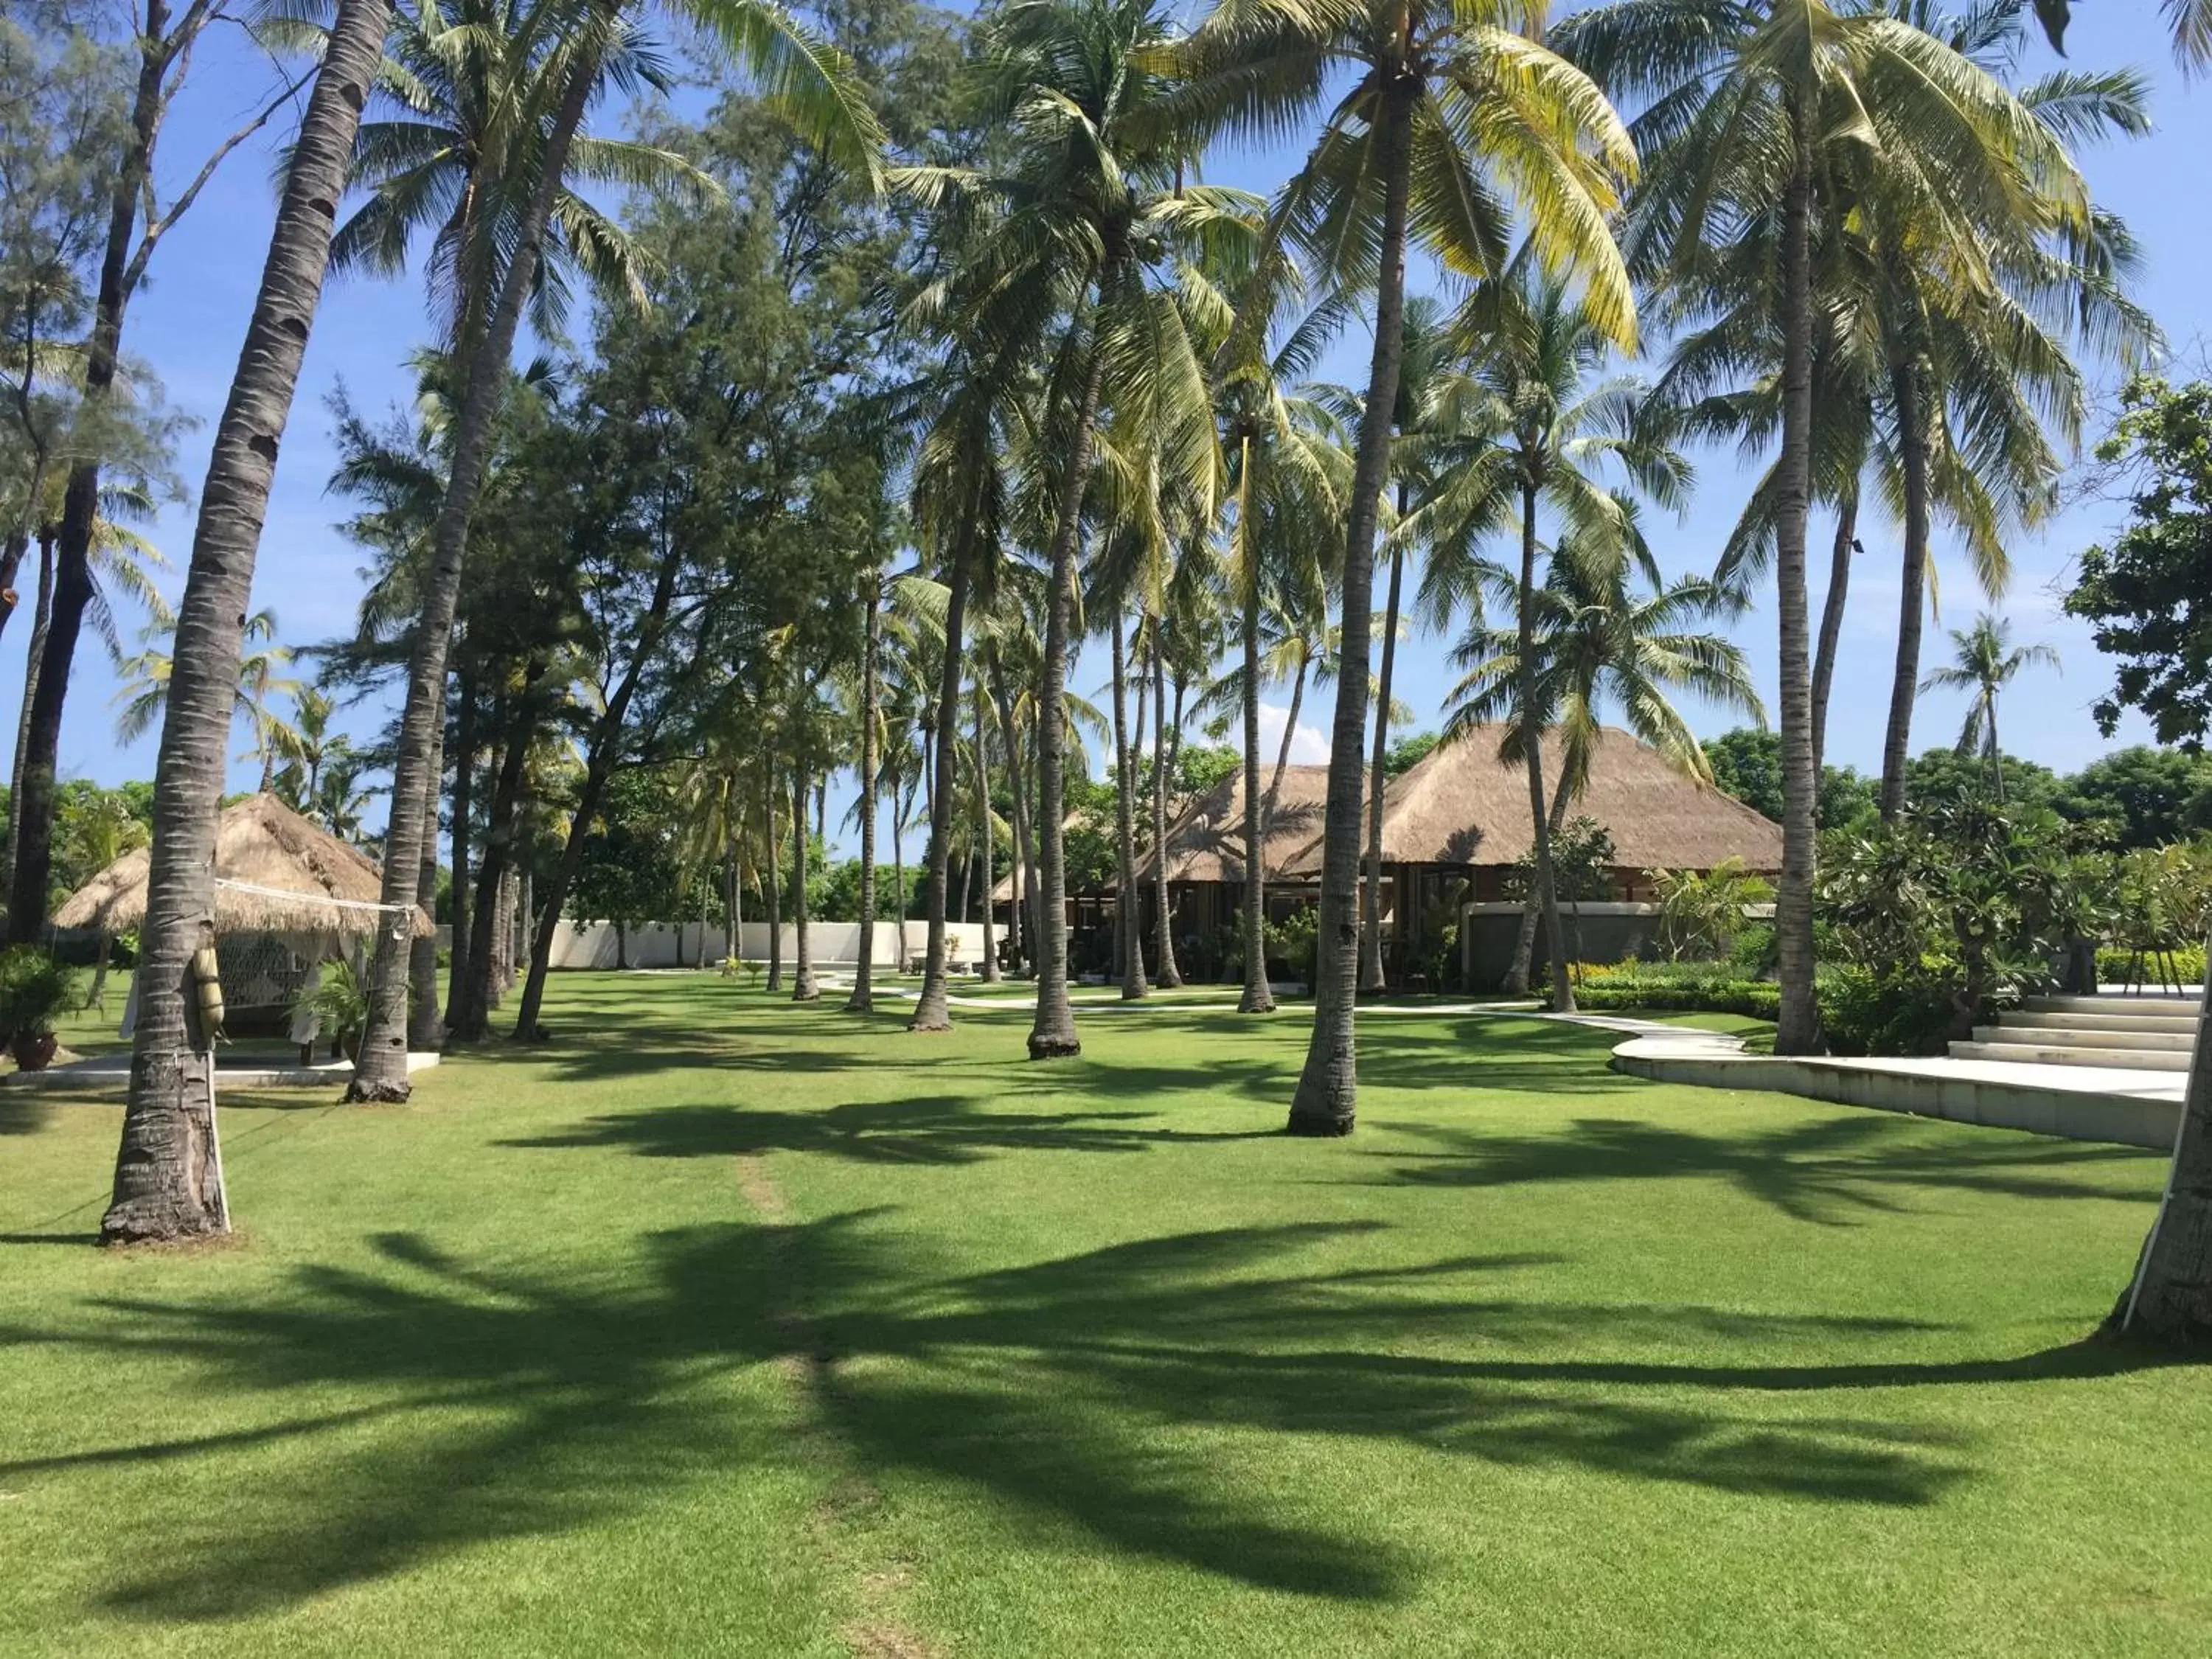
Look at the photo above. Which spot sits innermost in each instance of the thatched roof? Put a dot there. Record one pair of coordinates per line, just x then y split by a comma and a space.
290, 876
1461, 806
1208, 843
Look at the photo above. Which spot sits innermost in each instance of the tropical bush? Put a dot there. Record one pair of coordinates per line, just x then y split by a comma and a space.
339, 1002
1701, 917
1710, 987
1960, 909
35, 990
2116, 964
1903, 1010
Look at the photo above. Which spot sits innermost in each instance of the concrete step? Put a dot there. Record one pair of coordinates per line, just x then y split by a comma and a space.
2123, 1060
2070, 1036
2081, 1020
2116, 1003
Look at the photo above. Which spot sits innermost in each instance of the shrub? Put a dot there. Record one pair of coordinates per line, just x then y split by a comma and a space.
35, 989
339, 1002
1907, 1012
1735, 996
1695, 987
1701, 915
2115, 965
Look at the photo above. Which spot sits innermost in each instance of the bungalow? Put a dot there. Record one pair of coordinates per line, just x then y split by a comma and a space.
1455, 826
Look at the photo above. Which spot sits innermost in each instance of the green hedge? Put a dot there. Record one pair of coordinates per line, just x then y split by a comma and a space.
1755, 997
2112, 966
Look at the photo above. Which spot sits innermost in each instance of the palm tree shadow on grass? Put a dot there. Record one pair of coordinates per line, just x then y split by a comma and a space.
927, 1129
457, 1405
1827, 1170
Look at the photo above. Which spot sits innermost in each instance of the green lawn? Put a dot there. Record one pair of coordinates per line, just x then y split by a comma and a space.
725, 1327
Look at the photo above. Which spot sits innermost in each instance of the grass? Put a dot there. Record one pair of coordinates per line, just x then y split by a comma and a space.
726, 1327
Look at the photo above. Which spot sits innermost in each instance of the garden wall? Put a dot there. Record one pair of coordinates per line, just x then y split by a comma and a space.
1606, 931
671, 944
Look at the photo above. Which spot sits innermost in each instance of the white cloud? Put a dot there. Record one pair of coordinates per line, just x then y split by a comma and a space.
1308, 744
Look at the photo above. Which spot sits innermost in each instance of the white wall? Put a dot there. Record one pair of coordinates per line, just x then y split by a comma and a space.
668, 945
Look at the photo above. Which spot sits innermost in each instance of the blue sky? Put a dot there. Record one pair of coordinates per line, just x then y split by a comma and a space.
188, 322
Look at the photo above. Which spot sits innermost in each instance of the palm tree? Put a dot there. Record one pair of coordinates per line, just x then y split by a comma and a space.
584, 52
1530, 425
144, 692
1452, 116
960, 505
1092, 205
868, 716
1975, 367
104, 831
1607, 632
1421, 357
120, 560
446, 152
1744, 103
1983, 662
168, 1180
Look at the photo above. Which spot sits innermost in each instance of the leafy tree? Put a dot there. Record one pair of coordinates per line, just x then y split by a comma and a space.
1408, 752
810, 85
2147, 595
1943, 778
2140, 796
627, 869
1747, 763
144, 692
162, 37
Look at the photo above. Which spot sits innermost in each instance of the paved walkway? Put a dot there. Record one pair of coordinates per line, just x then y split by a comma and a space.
111, 1073
2080, 1103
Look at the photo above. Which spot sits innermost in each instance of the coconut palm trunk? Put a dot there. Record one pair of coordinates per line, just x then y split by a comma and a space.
465, 741
863, 999
1524, 942
1912, 589
730, 938
425, 1029
1831, 622
804, 988
1799, 1030
469, 1015
1532, 745
985, 848
1128, 932
1371, 889
1163, 916
1021, 915
898, 865
932, 1011
41, 614
380, 1073
1327, 1098
1259, 996
772, 887
1053, 1036
168, 1169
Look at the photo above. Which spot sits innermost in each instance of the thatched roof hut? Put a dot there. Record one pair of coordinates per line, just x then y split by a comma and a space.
1460, 804
277, 873
1206, 843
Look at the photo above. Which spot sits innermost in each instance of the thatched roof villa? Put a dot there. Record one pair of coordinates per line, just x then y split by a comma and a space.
1453, 825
